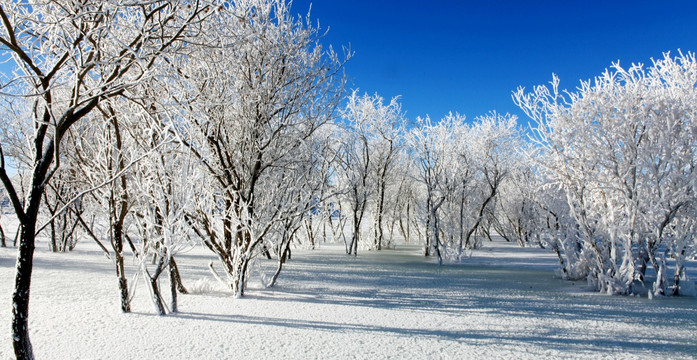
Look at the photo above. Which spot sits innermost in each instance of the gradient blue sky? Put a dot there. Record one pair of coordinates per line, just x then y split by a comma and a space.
468, 56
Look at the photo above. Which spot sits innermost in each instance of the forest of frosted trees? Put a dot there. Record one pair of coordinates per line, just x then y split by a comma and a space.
150, 127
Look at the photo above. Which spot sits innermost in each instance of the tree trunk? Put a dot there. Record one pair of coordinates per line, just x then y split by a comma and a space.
25, 261
174, 269
54, 245
468, 243
462, 217
402, 230
675, 289
155, 287
407, 235
353, 246
679, 268
17, 234
285, 251
380, 209
427, 248
242, 277
173, 289
436, 237
157, 297
120, 268
308, 229
357, 219
20, 296
175, 283
123, 283
265, 251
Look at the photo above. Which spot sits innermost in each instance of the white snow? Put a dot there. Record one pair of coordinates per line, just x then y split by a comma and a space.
503, 302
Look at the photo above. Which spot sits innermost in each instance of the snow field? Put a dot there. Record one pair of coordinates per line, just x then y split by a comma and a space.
504, 302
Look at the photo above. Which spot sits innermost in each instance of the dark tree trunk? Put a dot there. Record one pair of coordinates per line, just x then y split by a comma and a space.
157, 297
436, 236
675, 289
25, 260
309, 230
174, 269
20, 297
265, 251
54, 244
155, 287
173, 289
462, 217
123, 284
480, 215
242, 277
353, 245
285, 254
427, 248
175, 282
379, 235
120, 268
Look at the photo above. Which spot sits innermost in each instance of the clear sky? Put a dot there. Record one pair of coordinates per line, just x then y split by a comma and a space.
468, 56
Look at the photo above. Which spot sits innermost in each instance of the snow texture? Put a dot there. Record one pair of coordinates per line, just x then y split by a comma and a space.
503, 302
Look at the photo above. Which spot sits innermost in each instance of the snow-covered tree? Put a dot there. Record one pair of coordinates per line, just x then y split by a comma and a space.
622, 149
494, 141
250, 98
161, 230
431, 146
461, 167
354, 178
385, 129
370, 140
105, 150
304, 198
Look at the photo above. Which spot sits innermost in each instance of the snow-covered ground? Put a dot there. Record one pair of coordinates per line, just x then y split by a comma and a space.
504, 302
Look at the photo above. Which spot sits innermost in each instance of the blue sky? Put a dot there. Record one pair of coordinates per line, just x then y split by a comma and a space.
468, 56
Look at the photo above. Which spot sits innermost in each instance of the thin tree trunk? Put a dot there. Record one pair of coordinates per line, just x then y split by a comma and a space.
155, 287
427, 248
380, 209
117, 244
309, 231
173, 289
242, 277
285, 251
54, 245
679, 268
91, 234
408, 229
17, 234
436, 237
480, 215
174, 269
